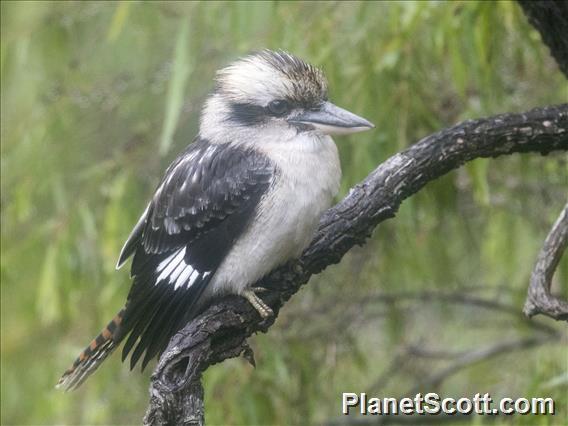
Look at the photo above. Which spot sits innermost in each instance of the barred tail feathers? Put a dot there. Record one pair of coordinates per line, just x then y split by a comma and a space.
92, 356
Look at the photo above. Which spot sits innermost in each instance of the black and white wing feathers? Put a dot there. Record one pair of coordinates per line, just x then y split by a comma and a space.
203, 204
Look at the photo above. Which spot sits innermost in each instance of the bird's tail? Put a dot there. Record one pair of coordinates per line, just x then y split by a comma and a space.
92, 356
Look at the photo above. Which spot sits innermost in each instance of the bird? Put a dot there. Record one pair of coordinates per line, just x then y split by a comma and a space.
243, 198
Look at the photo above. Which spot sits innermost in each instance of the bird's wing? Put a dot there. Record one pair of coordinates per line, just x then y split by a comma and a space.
203, 204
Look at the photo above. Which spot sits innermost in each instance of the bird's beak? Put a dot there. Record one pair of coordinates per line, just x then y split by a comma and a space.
332, 120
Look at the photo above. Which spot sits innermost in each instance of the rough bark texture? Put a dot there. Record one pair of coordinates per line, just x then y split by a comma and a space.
221, 331
550, 18
539, 299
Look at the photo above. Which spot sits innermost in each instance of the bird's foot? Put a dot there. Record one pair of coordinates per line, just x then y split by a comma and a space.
262, 308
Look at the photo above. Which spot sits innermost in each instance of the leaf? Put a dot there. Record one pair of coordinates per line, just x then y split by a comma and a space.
118, 20
478, 170
559, 381
174, 100
113, 224
48, 303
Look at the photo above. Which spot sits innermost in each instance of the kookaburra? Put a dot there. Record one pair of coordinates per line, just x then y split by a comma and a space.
245, 197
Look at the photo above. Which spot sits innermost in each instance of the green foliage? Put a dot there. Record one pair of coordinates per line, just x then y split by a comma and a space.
92, 91
174, 100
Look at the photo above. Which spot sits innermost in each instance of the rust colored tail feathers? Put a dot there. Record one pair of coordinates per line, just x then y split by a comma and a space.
92, 356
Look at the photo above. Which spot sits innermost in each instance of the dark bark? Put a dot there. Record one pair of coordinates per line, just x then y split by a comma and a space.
221, 331
550, 18
539, 299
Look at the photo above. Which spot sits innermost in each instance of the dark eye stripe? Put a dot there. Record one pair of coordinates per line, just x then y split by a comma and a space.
250, 114
247, 114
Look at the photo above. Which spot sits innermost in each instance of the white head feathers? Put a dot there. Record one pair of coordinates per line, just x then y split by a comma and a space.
268, 75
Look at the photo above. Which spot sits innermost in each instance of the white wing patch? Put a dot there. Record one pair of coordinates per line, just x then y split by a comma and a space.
181, 266
187, 272
176, 271
167, 265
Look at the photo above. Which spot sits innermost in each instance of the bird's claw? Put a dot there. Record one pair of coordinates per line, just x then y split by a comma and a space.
262, 308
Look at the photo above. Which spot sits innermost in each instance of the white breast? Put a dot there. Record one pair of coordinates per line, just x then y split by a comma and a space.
288, 215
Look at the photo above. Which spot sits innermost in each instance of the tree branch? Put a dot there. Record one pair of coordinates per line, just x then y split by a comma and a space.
432, 382
550, 18
539, 299
457, 297
479, 355
221, 331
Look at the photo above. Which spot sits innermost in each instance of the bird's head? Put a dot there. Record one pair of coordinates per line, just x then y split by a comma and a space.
274, 92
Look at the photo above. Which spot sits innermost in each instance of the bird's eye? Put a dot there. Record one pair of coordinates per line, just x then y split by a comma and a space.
278, 107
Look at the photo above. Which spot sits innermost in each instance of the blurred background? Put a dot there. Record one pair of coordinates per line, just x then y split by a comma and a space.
99, 97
